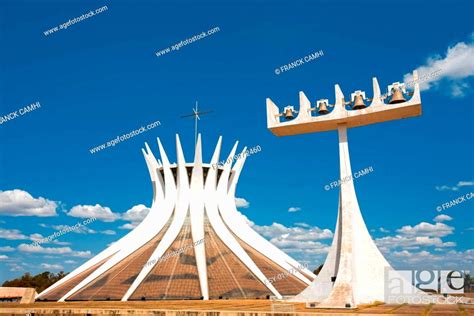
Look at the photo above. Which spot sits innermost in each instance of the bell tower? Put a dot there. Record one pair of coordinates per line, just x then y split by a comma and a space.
354, 270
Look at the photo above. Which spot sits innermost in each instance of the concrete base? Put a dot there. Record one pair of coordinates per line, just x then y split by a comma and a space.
222, 308
25, 295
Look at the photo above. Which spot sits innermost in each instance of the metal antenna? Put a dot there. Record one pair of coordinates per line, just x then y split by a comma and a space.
196, 114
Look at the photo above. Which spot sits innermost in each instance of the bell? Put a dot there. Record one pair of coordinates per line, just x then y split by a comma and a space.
288, 113
323, 109
358, 103
397, 96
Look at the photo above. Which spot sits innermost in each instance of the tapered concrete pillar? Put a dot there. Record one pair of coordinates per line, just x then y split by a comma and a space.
342, 293
353, 272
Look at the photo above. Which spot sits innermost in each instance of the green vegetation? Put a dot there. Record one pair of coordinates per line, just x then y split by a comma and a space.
40, 281
468, 283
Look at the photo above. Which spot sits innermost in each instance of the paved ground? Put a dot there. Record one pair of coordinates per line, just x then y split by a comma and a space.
223, 308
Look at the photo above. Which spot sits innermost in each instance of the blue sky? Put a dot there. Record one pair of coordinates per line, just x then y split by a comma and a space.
100, 78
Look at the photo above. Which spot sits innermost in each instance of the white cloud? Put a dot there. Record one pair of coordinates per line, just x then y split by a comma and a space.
70, 261
21, 203
135, 215
303, 225
99, 212
129, 226
15, 234
36, 237
78, 229
414, 237
241, 202
421, 247
12, 234
442, 218
305, 243
450, 259
51, 266
465, 183
108, 232
383, 230
39, 249
16, 267
460, 184
3, 257
410, 242
406, 254
81, 254
74, 229
454, 68
294, 209
50, 250
7, 249
446, 188
300, 241
426, 229
276, 230
39, 237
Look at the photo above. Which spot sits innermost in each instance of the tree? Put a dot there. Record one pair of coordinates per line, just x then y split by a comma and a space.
40, 281
318, 269
468, 283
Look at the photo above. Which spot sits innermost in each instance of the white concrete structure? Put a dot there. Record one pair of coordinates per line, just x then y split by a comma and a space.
193, 244
354, 270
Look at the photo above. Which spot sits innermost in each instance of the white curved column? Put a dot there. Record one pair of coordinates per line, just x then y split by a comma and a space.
181, 210
157, 191
155, 177
237, 224
174, 199
221, 230
196, 210
144, 232
88, 264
